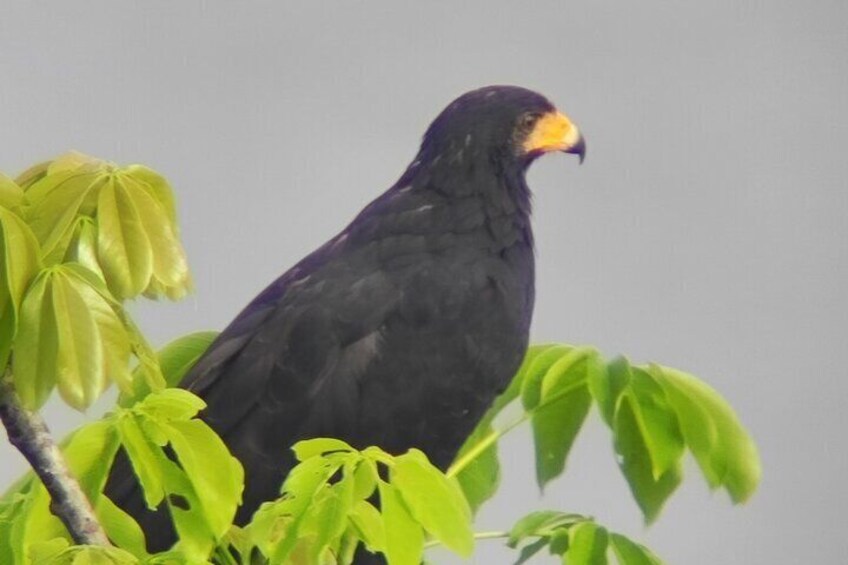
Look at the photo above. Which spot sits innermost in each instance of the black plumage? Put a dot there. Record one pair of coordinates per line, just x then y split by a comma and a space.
399, 331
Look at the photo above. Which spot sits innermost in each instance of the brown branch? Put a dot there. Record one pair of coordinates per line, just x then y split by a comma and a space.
28, 432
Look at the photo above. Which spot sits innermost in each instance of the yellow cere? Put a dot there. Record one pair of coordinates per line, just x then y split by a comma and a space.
553, 132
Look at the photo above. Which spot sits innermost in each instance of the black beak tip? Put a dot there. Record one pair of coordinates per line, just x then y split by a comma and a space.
579, 149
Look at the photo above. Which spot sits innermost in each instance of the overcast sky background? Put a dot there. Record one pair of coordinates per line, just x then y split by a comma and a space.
708, 228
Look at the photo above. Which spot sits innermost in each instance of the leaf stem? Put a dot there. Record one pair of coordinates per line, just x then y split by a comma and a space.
29, 434
477, 536
483, 445
491, 535
475, 452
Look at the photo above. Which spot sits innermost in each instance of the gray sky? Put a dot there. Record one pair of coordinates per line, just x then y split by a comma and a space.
708, 228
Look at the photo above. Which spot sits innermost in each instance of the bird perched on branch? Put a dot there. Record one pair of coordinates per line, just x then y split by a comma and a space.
401, 330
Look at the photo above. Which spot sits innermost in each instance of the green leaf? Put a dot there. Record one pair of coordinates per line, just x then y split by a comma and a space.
89, 279
305, 449
587, 544
725, 452
275, 527
158, 187
121, 528
56, 201
170, 266
202, 485
170, 404
479, 479
11, 194
83, 247
555, 427
148, 367
631, 553
32, 175
377, 456
85, 555
531, 385
657, 422
80, 362
73, 161
329, 517
46, 551
434, 501
530, 550
606, 386
216, 476
89, 453
123, 247
11, 509
19, 264
142, 454
40, 527
34, 363
61, 339
171, 557
115, 340
196, 539
369, 526
404, 537
364, 477
635, 462
562, 408
180, 355
513, 391
559, 541
20, 253
540, 523
235, 545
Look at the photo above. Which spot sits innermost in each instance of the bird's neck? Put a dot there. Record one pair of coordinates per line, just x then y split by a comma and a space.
500, 189
444, 212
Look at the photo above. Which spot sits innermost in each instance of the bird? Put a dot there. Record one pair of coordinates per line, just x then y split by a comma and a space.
402, 329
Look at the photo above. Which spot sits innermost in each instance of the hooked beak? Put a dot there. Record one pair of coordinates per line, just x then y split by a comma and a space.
555, 132
578, 147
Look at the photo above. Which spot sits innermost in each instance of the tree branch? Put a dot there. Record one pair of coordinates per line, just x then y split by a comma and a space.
28, 432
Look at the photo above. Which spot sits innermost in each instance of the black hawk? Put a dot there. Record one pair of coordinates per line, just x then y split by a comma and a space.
401, 330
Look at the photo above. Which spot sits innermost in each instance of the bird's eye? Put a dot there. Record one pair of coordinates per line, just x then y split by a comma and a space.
529, 119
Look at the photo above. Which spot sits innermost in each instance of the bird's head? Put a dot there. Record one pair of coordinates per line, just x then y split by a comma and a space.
505, 124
